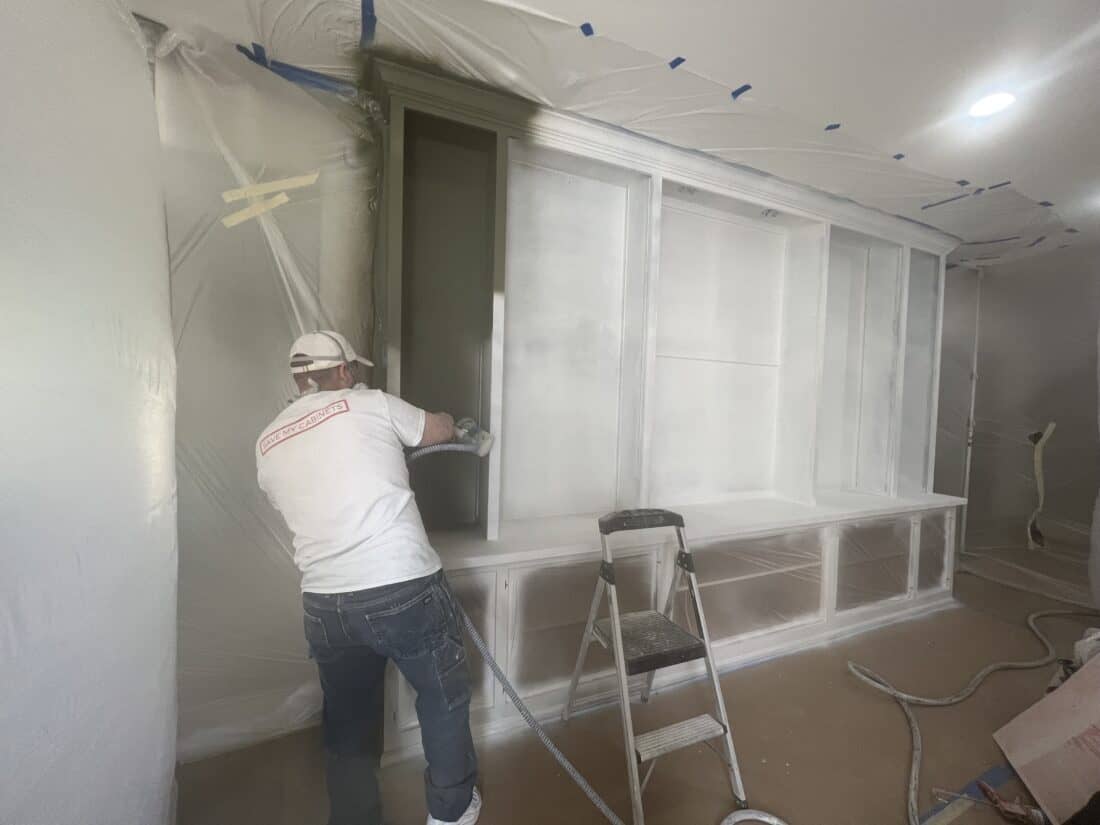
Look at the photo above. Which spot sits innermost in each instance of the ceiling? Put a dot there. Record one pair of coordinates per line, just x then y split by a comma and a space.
897, 77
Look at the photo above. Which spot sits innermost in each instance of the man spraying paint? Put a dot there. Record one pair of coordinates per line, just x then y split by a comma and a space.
373, 588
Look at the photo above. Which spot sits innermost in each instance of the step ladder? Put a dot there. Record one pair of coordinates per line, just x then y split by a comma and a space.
646, 641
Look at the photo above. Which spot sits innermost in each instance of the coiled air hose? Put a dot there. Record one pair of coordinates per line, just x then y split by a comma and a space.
477, 446
904, 700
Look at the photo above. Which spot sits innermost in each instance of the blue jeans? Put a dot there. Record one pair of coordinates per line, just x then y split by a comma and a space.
351, 635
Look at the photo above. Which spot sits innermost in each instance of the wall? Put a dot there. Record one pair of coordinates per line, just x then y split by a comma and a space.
87, 474
1037, 363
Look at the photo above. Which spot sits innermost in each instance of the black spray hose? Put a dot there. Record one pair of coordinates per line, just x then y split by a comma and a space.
478, 448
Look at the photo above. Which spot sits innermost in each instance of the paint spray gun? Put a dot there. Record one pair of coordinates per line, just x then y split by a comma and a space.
469, 438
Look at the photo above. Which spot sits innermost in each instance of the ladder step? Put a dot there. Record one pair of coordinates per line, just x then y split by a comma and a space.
684, 734
651, 641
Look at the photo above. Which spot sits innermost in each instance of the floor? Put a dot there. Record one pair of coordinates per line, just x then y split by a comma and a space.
816, 746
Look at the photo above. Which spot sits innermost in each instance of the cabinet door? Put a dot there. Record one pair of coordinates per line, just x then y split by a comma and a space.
919, 391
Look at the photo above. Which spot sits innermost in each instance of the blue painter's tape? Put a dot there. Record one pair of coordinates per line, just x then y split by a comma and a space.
962, 182
587, 30
898, 156
369, 23
312, 79
945, 200
740, 90
1037, 241
258, 54
978, 191
1045, 203
999, 185
832, 127
296, 74
994, 777
676, 61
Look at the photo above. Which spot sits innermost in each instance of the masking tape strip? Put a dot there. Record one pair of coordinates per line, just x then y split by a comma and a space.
229, 221
258, 190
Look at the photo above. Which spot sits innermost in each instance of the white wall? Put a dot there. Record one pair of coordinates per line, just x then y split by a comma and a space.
87, 475
1037, 363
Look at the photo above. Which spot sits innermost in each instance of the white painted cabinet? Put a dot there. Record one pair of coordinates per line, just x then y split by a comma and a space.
642, 326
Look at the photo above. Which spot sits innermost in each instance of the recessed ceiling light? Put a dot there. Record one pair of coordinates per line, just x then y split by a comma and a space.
991, 104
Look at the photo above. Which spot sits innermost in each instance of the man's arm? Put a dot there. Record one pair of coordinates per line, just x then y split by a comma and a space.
438, 428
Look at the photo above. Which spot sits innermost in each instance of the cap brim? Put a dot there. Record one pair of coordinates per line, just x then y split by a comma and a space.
364, 361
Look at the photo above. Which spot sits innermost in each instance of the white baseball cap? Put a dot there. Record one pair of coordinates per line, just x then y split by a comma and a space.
322, 350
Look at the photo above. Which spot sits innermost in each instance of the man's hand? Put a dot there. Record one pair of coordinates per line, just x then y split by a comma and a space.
438, 429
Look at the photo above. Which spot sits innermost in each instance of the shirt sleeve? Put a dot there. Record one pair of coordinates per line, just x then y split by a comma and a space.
407, 420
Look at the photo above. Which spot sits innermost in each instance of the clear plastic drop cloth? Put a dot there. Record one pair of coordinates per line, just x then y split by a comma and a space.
527, 49
1036, 365
271, 194
87, 476
754, 585
872, 562
551, 607
550, 61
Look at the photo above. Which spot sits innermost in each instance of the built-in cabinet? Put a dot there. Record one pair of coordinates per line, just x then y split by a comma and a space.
642, 326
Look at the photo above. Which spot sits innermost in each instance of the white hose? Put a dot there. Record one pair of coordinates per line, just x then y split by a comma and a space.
904, 700
752, 816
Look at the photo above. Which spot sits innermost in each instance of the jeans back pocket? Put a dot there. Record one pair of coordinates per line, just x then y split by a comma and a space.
411, 629
454, 674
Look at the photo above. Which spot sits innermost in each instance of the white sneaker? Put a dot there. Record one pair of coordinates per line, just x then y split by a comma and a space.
468, 818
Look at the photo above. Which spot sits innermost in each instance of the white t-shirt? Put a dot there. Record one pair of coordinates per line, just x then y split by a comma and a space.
332, 463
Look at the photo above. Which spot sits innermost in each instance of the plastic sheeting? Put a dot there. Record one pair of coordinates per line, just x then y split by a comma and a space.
507, 45
518, 48
753, 585
1034, 324
87, 487
1036, 364
241, 294
873, 563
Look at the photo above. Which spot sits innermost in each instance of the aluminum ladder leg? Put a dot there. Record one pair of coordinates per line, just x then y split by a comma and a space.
644, 641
